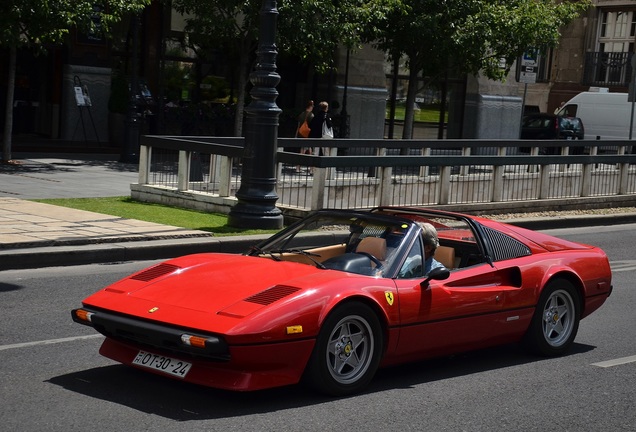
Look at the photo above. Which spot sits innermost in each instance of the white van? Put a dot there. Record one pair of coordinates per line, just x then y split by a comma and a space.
605, 115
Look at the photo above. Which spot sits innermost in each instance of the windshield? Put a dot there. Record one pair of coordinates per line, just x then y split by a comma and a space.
361, 243
378, 243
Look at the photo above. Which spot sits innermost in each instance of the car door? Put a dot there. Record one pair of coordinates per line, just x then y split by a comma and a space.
442, 317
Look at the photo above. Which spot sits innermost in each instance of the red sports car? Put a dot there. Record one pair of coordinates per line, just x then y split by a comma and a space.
340, 293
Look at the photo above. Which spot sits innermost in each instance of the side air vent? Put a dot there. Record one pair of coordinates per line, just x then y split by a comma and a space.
271, 295
155, 272
505, 247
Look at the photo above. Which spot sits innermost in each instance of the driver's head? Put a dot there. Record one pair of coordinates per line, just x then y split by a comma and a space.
429, 233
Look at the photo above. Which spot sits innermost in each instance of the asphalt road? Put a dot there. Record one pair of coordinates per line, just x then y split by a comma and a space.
53, 378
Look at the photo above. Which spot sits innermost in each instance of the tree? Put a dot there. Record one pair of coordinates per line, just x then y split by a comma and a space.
36, 24
310, 30
467, 36
228, 25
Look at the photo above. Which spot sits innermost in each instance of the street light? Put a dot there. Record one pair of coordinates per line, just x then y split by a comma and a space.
256, 206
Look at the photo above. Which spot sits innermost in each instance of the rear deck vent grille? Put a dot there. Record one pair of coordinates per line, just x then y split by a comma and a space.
505, 247
155, 272
271, 295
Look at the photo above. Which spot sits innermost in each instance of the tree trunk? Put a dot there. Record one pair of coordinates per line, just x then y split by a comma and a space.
8, 116
409, 111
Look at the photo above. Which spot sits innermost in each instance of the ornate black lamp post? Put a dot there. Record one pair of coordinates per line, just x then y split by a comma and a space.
256, 206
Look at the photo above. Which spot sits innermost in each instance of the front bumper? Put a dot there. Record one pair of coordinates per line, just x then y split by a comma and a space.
153, 335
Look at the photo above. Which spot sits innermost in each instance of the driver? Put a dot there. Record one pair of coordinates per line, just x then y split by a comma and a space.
413, 266
431, 243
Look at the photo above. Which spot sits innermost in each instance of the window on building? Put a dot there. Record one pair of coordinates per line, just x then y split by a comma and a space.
609, 65
617, 31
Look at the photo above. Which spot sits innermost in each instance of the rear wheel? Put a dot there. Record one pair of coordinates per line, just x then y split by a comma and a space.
347, 351
556, 319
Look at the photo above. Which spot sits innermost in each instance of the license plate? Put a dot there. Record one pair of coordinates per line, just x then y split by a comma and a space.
174, 367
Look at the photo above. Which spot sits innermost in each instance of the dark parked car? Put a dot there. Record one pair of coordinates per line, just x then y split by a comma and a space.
545, 126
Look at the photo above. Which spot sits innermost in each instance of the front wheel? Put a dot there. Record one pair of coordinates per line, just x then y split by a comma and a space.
347, 351
556, 319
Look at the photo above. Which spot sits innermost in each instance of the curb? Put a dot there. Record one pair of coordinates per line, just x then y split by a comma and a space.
573, 221
71, 255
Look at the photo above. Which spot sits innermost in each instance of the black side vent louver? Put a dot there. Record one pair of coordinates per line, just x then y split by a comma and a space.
271, 295
155, 272
505, 247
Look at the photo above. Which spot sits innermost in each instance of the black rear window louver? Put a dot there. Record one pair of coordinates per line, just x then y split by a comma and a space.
271, 295
504, 247
155, 272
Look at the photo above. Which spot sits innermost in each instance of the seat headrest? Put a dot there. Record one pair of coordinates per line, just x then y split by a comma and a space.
446, 256
375, 246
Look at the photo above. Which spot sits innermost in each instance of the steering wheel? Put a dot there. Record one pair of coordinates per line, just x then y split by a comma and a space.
377, 262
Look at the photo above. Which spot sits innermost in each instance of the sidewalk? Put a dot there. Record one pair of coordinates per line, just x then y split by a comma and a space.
35, 235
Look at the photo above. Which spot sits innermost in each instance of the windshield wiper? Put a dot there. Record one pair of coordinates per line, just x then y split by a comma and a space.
309, 255
262, 252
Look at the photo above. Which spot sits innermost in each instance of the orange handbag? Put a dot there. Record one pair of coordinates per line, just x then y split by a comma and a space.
303, 130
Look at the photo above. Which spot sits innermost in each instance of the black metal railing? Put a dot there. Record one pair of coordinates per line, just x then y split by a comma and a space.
366, 173
608, 69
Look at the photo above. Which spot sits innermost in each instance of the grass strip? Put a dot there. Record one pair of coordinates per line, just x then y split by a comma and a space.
128, 208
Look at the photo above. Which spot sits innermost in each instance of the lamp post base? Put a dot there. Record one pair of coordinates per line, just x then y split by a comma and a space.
253, 216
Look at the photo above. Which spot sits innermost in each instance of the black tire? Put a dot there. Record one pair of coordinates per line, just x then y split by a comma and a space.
556, 319
347, 351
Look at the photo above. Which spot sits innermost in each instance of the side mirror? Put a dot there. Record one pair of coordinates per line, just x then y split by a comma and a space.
439, 273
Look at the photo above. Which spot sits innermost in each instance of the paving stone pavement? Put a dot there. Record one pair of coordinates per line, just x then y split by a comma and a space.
35, 234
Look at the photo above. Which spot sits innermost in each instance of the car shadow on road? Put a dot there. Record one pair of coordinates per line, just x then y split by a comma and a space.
473, 362
179, 401
6, 287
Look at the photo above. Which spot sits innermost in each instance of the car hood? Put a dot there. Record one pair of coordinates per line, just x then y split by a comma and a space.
223, 293
211, 282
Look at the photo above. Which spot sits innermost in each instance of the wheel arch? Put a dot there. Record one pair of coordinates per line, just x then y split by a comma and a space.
367, 301
576, 282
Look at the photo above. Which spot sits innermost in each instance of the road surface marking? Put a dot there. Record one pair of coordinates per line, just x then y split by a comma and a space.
623, 265
615, 362
48, 342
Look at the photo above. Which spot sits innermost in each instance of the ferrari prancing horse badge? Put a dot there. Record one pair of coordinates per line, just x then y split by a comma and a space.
389, 297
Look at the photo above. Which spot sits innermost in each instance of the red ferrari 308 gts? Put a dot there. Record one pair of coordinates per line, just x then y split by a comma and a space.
340, 293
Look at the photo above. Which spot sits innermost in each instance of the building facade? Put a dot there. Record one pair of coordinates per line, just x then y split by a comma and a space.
595, 51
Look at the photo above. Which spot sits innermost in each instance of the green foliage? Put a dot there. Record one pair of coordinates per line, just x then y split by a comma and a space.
38, 22
219, 24
175, 79
426, 113
459, 37
470, 36
510, 28
214, 88
311, 30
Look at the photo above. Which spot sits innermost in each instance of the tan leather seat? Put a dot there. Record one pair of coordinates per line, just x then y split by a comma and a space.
446, 256
375, 246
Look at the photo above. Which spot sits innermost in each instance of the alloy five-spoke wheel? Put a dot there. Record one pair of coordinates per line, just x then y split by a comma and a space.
556, 319
347, 352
